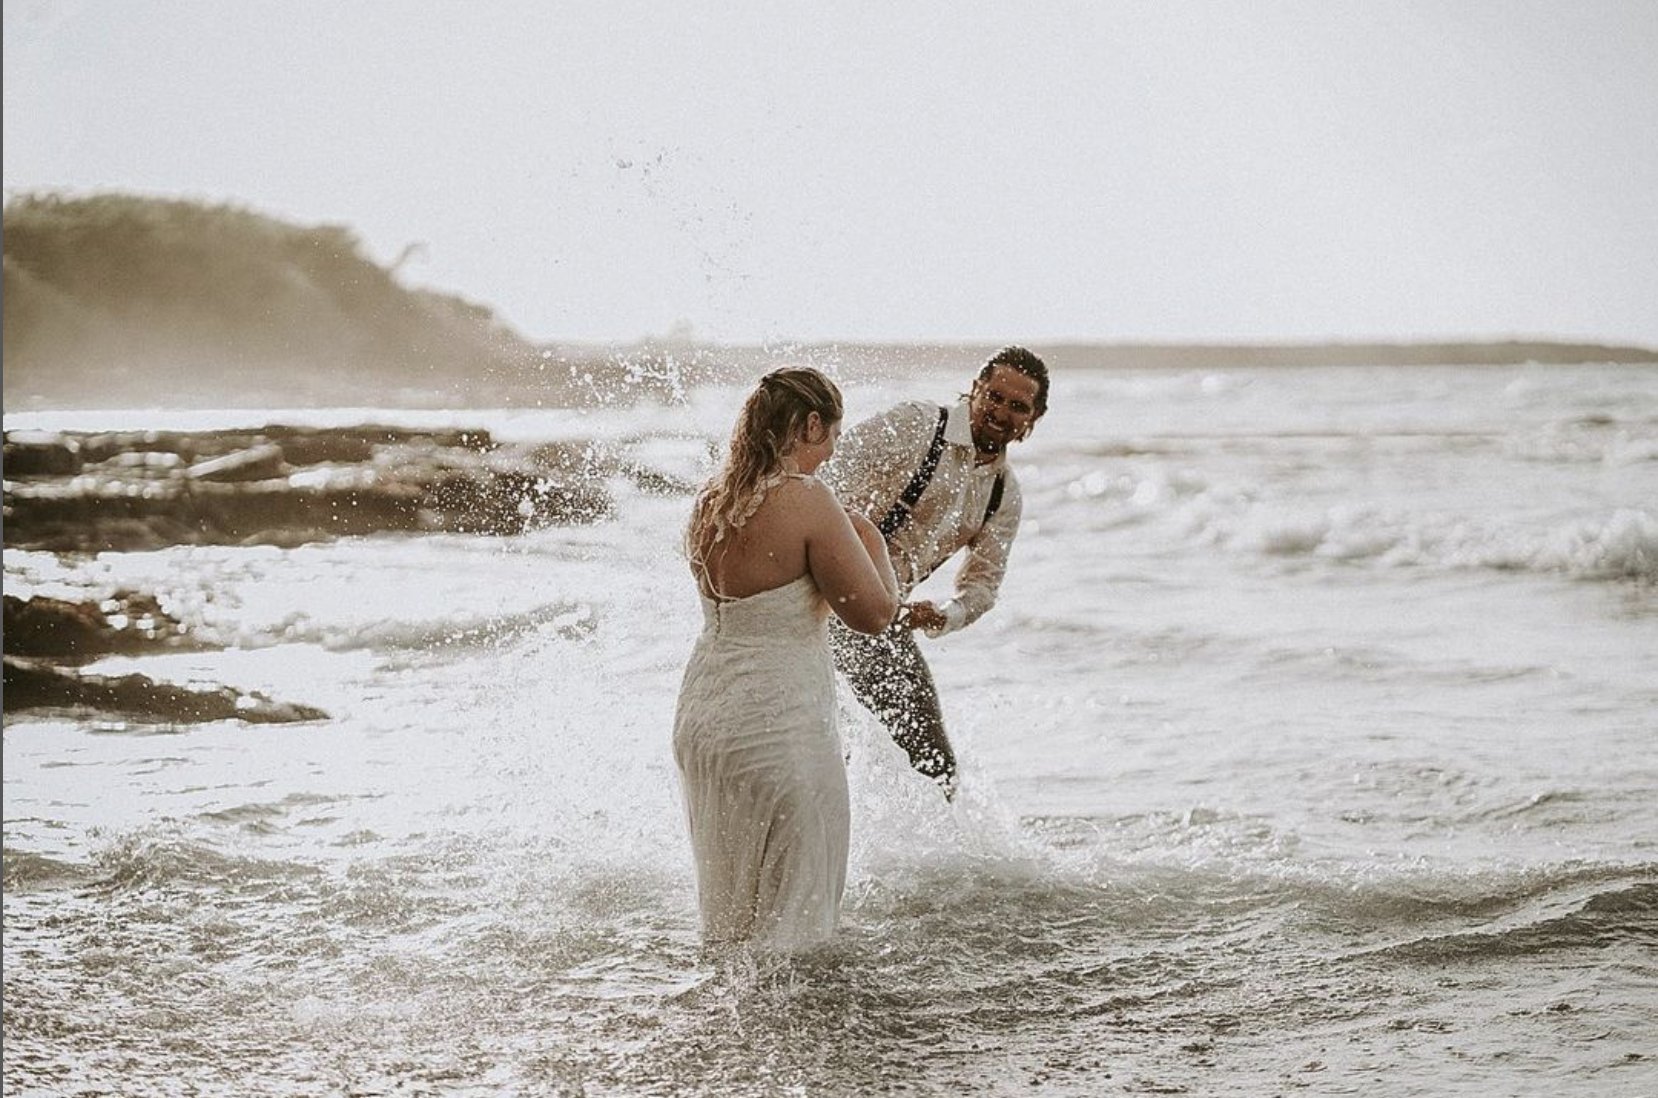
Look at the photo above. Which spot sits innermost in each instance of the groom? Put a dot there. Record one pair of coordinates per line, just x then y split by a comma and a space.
935, 479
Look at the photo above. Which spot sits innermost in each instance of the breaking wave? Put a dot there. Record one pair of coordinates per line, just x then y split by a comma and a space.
1620, 546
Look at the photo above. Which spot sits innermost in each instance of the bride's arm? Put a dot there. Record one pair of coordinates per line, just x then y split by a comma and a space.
853, 574
876, 546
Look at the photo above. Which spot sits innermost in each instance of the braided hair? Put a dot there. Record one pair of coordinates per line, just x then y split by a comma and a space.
772, 419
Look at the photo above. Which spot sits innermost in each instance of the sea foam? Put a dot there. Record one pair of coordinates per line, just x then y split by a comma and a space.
1621, 545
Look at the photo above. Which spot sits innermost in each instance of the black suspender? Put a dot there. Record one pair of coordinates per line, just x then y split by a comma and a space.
995, 500
899, 514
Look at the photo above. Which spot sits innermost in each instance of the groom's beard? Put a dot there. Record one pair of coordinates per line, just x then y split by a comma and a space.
994, 447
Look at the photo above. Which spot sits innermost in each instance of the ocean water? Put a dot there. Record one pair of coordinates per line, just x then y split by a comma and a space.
1312, 748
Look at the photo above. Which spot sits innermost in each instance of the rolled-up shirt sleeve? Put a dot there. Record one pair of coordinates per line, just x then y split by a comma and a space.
979, 580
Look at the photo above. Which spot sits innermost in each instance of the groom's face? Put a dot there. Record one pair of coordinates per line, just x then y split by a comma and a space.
1002, 409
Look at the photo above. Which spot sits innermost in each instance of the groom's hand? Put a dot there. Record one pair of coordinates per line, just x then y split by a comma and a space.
923, 616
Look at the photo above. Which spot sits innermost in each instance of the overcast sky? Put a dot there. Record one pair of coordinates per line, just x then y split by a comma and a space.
889, 171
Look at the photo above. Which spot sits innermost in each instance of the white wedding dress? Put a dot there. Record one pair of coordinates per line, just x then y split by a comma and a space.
762, 770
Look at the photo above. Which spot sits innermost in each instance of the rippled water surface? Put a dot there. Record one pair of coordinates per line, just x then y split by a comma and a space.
1313, 748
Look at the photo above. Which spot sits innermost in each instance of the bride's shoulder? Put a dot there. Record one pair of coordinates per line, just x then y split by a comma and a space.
807, 481
806, 492
807, 485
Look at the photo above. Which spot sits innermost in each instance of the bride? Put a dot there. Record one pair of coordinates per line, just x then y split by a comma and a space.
773, 553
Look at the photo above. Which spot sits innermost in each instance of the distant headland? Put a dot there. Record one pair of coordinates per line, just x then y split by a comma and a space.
124, 301
117, 300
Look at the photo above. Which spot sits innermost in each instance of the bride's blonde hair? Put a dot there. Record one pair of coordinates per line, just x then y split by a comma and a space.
771, 421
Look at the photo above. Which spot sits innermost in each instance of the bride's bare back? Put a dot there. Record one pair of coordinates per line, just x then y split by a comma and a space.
799, 529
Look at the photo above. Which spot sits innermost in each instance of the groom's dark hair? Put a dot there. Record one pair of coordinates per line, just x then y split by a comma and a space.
1026, 363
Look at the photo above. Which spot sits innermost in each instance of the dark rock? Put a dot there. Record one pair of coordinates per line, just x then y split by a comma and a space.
41, 454
325, 448
354, 445
203, 514
33, 685
53, 627
125, 622
239, 489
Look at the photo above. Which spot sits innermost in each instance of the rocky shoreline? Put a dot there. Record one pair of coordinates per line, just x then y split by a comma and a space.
86, 492
48, 639
32, 684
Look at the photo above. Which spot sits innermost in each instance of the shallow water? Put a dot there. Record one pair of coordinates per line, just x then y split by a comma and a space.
1311, 748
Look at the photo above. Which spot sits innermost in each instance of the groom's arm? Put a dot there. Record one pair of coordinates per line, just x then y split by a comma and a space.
979, 581
876, 457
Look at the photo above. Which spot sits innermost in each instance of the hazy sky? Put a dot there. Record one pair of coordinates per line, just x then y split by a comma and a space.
999, 171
